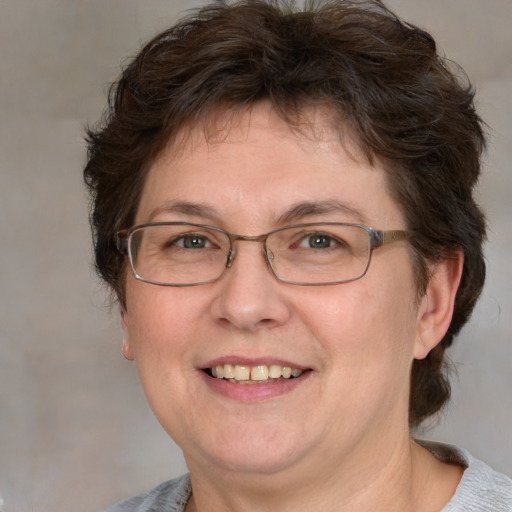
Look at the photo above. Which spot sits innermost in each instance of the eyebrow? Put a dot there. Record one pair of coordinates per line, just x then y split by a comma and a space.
295, 213
304, 209
186, 208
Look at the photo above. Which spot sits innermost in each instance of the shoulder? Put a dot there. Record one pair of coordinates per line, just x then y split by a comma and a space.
481, 489
172, 496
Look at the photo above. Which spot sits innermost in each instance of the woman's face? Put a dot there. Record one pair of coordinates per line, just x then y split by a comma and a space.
354, 342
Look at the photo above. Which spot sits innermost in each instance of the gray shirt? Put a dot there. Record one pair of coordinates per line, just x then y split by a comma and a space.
481, 489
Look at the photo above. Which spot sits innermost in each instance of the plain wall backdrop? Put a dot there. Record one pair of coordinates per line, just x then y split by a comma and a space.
75, 431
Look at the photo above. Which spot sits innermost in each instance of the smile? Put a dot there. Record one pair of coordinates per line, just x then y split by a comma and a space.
259, 374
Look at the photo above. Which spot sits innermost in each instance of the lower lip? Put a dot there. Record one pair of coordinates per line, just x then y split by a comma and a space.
254, 392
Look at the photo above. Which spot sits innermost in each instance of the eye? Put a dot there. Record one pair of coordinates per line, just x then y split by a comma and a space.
192, 241
319, 241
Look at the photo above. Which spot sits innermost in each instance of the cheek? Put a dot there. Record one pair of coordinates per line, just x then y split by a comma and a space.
362, 327
162, 335
161, 320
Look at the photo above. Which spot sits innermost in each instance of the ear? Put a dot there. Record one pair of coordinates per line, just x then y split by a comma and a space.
436, 307
125, 326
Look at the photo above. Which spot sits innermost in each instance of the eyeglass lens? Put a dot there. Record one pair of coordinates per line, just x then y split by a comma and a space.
187, 254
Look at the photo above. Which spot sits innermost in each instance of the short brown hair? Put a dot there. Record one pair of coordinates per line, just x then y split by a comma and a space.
382, 76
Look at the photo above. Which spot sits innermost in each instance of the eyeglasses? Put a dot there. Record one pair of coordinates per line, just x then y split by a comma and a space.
185, 254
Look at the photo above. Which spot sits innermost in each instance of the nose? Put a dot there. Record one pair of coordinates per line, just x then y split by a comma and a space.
249, 295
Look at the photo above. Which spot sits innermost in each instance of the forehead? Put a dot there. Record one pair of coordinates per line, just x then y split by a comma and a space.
253, 164
309, 127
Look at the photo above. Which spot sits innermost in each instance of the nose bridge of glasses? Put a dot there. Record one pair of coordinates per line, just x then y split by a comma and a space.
244, 238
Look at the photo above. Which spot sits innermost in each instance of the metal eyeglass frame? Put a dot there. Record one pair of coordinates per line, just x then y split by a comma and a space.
377, 238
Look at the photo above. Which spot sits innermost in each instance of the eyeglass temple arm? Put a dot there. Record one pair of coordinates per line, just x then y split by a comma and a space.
385, 237
122, 242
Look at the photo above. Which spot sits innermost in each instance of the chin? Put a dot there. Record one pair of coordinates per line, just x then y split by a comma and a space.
251, 463
262, 451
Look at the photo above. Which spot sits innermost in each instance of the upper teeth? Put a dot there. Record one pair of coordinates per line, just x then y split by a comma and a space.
261, 372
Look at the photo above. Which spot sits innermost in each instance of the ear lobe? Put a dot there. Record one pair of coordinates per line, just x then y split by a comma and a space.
436, 308
127, 346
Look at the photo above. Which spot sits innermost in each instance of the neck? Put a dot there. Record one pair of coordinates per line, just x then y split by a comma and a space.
403, 477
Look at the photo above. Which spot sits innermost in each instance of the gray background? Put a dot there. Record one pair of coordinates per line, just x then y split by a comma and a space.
75, 432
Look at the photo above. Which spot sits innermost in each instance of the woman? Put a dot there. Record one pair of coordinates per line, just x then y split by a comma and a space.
283, 206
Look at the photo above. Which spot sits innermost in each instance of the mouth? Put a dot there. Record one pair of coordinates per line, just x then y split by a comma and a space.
258, 374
